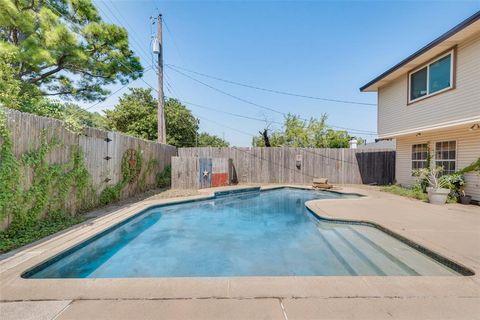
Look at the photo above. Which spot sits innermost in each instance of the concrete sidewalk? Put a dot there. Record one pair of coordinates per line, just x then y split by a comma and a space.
452, 231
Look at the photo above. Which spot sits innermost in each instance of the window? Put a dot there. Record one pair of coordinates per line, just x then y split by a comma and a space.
446, 155
418, 84
439, 74
419, 156
432, 78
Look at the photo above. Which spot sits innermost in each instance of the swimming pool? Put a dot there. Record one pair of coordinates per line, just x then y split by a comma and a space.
255, 233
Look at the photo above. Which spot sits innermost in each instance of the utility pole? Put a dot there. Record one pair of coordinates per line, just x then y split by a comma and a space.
158, 49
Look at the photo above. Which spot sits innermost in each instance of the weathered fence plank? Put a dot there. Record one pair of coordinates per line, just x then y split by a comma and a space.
27, 131
279, 165
185, 173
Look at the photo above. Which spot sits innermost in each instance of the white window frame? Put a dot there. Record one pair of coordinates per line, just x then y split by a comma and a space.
452, 69
449, 160
411, 152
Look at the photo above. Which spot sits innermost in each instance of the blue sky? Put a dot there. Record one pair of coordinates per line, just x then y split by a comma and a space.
318, 48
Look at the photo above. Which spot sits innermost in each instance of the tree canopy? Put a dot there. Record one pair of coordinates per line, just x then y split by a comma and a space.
210, 140
136, 115
300, 133
63, 48
181, 125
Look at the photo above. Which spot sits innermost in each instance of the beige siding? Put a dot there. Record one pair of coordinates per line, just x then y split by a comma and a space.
462, 102
468, 150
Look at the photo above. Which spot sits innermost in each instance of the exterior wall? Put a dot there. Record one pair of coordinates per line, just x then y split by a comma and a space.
468, 150
460, 103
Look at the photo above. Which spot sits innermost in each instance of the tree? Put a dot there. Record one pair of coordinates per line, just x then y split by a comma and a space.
265, 137
83, 117
136, 115
63, 48
75, 117
336, 139
181, 125
11, 88
299, 133
210, 140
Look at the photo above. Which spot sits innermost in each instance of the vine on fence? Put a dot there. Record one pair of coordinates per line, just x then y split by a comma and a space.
132, 162
50, 183
33, 192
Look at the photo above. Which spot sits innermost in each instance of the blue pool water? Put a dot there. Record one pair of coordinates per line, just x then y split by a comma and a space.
267, 233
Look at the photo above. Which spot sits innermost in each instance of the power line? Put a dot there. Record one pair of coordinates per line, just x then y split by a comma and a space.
253, 136
141, 78
116, 91
228, 94
170, 85
225, 112
173, 40
234, 129
262, 120
223, 125
120, 23
256, 104
269, 90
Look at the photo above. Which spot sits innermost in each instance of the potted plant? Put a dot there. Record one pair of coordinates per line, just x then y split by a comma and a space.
439, 187
464, 199
457, 182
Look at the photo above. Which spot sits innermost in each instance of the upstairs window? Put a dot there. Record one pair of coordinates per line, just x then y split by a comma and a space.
446, 156
419, 156
432, 78
418, 84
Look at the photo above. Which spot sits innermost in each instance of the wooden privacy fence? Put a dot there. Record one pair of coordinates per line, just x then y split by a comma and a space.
199, 173
297, 165
103, 150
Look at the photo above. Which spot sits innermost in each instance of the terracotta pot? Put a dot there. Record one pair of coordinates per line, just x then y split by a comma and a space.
437, 195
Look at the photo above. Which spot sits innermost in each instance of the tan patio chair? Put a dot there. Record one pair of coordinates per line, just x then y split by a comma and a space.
321, 183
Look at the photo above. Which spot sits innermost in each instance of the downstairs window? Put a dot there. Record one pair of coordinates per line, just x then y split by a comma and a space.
446, 156
419, 156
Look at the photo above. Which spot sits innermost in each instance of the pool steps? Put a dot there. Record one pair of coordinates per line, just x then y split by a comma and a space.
363, 250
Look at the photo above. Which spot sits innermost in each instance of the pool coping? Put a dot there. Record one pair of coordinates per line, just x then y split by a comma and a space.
15, 288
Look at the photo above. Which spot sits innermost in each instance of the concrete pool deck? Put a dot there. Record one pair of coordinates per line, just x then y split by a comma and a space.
452, 231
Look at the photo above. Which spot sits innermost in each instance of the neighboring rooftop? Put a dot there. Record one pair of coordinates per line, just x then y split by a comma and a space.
457, 34
383, 144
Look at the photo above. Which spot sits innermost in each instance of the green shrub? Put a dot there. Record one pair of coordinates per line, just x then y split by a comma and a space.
415, 192
110, 194
474, 166
14, 238
164, 178
454, 181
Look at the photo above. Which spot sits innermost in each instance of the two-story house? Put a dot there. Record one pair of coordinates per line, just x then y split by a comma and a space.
430, 104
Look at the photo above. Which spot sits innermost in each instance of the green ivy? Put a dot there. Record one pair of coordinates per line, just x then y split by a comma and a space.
148, 170
111, 193
129, 175
164, 177
38, 207
44, 198
10, 175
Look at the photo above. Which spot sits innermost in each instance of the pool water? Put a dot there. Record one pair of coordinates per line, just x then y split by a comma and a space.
262, 233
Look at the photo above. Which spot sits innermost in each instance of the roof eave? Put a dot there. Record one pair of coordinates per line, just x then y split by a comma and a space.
372, 86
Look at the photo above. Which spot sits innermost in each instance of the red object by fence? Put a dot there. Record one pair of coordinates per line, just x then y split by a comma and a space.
219, 179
